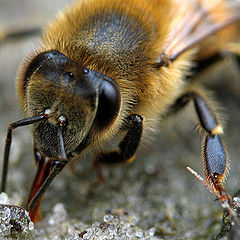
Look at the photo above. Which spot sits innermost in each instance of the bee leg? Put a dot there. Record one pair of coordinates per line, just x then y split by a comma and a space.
238, 60
204, 64
8, 142
6, 35
127, 146
213, 151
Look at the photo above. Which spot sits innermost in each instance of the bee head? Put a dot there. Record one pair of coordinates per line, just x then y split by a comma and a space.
65, 90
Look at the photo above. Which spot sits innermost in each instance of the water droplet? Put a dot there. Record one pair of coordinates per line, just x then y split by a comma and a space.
139, 233
129, 233
112, 228
5, 214
107, 218
31, 226
4, 198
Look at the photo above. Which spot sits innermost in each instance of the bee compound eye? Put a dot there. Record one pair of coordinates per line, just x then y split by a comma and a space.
109, 103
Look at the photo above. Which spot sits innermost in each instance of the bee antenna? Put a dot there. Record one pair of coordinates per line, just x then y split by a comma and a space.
61, 143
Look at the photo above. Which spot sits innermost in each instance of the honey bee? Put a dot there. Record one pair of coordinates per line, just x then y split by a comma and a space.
113, 68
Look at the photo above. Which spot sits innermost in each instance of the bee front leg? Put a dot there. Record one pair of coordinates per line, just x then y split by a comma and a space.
127, 146
11, 127
213, 151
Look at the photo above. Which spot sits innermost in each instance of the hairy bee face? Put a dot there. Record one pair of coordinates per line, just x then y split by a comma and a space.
66, 89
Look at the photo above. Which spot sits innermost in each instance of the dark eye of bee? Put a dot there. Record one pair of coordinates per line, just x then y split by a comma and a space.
109, 103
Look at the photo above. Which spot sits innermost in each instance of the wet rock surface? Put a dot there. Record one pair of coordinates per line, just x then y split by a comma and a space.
154, 197
15, 222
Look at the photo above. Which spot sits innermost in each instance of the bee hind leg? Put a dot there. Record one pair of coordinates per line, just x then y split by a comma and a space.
214, 155
127, 147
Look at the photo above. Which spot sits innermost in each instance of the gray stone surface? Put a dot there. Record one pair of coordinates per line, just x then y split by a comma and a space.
161, 198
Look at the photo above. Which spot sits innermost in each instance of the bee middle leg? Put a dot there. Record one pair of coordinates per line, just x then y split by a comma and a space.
231, 50
18, 33
214, 155
127, 146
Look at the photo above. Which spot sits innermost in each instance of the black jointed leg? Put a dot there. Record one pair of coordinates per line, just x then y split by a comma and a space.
206, 63
128, 145
206, 116
8, 142
238, 60
20, 33
213, 151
